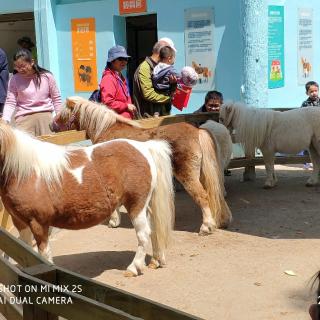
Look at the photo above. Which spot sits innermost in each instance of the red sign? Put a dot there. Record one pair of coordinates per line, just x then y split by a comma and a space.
132, 6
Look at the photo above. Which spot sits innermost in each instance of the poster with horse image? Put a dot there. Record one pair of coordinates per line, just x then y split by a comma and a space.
199, 46
84, 54
305, 45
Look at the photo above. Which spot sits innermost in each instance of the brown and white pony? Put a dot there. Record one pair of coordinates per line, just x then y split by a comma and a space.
45, 185
195, 162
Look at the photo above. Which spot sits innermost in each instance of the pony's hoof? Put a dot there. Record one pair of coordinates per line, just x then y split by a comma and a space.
129, 274
206, 230
225, 224
268, 186
113, 224
153, 265
311, 184
156, 263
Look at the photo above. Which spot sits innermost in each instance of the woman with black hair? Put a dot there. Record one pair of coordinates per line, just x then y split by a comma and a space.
113, 86
33, 95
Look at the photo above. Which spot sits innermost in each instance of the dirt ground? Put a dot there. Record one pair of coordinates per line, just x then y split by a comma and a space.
237, 273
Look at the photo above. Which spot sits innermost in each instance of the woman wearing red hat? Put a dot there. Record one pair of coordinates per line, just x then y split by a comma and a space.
113, 87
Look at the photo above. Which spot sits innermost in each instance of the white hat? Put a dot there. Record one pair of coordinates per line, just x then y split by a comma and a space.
169, 42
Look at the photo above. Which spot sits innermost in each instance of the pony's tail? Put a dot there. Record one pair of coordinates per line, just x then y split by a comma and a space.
211, 177
162, 199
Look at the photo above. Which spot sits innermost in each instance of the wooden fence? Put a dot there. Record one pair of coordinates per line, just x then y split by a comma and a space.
49, 291
90, 299
68, 137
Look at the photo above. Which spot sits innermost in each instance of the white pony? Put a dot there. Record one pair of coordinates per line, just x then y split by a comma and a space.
275, 131
220, 134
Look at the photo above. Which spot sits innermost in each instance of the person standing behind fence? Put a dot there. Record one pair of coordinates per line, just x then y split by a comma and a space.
312, 91
114, 89
212, 102
33, 94
147, 100
4, 78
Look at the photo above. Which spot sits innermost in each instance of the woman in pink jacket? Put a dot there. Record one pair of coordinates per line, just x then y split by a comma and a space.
113, 86
33, 96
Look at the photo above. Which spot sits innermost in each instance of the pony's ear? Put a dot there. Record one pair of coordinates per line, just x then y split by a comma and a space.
70, 103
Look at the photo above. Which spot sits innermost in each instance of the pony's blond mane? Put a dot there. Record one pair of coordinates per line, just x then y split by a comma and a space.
252, 125
94, 117
22, 156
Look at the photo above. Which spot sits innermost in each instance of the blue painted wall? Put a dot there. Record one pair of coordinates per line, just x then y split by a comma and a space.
170, 24
292, 94
53, 35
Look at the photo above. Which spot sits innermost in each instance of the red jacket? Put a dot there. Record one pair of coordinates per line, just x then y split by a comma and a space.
115, 93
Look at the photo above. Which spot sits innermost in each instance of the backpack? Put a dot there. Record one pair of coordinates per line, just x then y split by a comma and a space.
95, 96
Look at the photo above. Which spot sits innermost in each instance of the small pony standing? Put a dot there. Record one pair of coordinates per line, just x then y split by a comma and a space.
195, 161
275, 131
45, 185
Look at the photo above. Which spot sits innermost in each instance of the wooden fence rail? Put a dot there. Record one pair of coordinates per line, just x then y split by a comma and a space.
40, 282
96, 300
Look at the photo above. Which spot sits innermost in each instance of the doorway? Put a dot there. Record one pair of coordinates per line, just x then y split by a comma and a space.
13, 27
141, 34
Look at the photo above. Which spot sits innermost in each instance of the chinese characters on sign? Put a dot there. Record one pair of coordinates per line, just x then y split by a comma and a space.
275, 47
132, 6
84, 54
305, 45
199, 48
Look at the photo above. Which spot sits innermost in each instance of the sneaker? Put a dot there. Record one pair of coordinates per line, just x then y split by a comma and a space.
307, 166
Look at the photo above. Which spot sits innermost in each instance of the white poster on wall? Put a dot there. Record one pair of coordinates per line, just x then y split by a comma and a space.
305, 45
199, 46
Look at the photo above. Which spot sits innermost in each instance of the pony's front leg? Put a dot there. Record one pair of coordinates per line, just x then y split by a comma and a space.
115, 219
315, 159
268, 157
143, 231
249, 173
41, 235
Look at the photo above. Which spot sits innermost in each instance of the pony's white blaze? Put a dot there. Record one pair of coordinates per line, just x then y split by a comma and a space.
88, 151
28, 155
77, 174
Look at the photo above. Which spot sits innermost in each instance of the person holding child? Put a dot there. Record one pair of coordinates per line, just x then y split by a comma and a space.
148, 101
164, 71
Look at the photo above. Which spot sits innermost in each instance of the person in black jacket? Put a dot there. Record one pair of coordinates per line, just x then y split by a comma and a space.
312, 91
4, 78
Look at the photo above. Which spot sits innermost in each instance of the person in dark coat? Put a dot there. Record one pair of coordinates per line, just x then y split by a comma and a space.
4, 78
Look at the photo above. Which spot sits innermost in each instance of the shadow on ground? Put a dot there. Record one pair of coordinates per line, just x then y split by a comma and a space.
92, 264
289, 211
